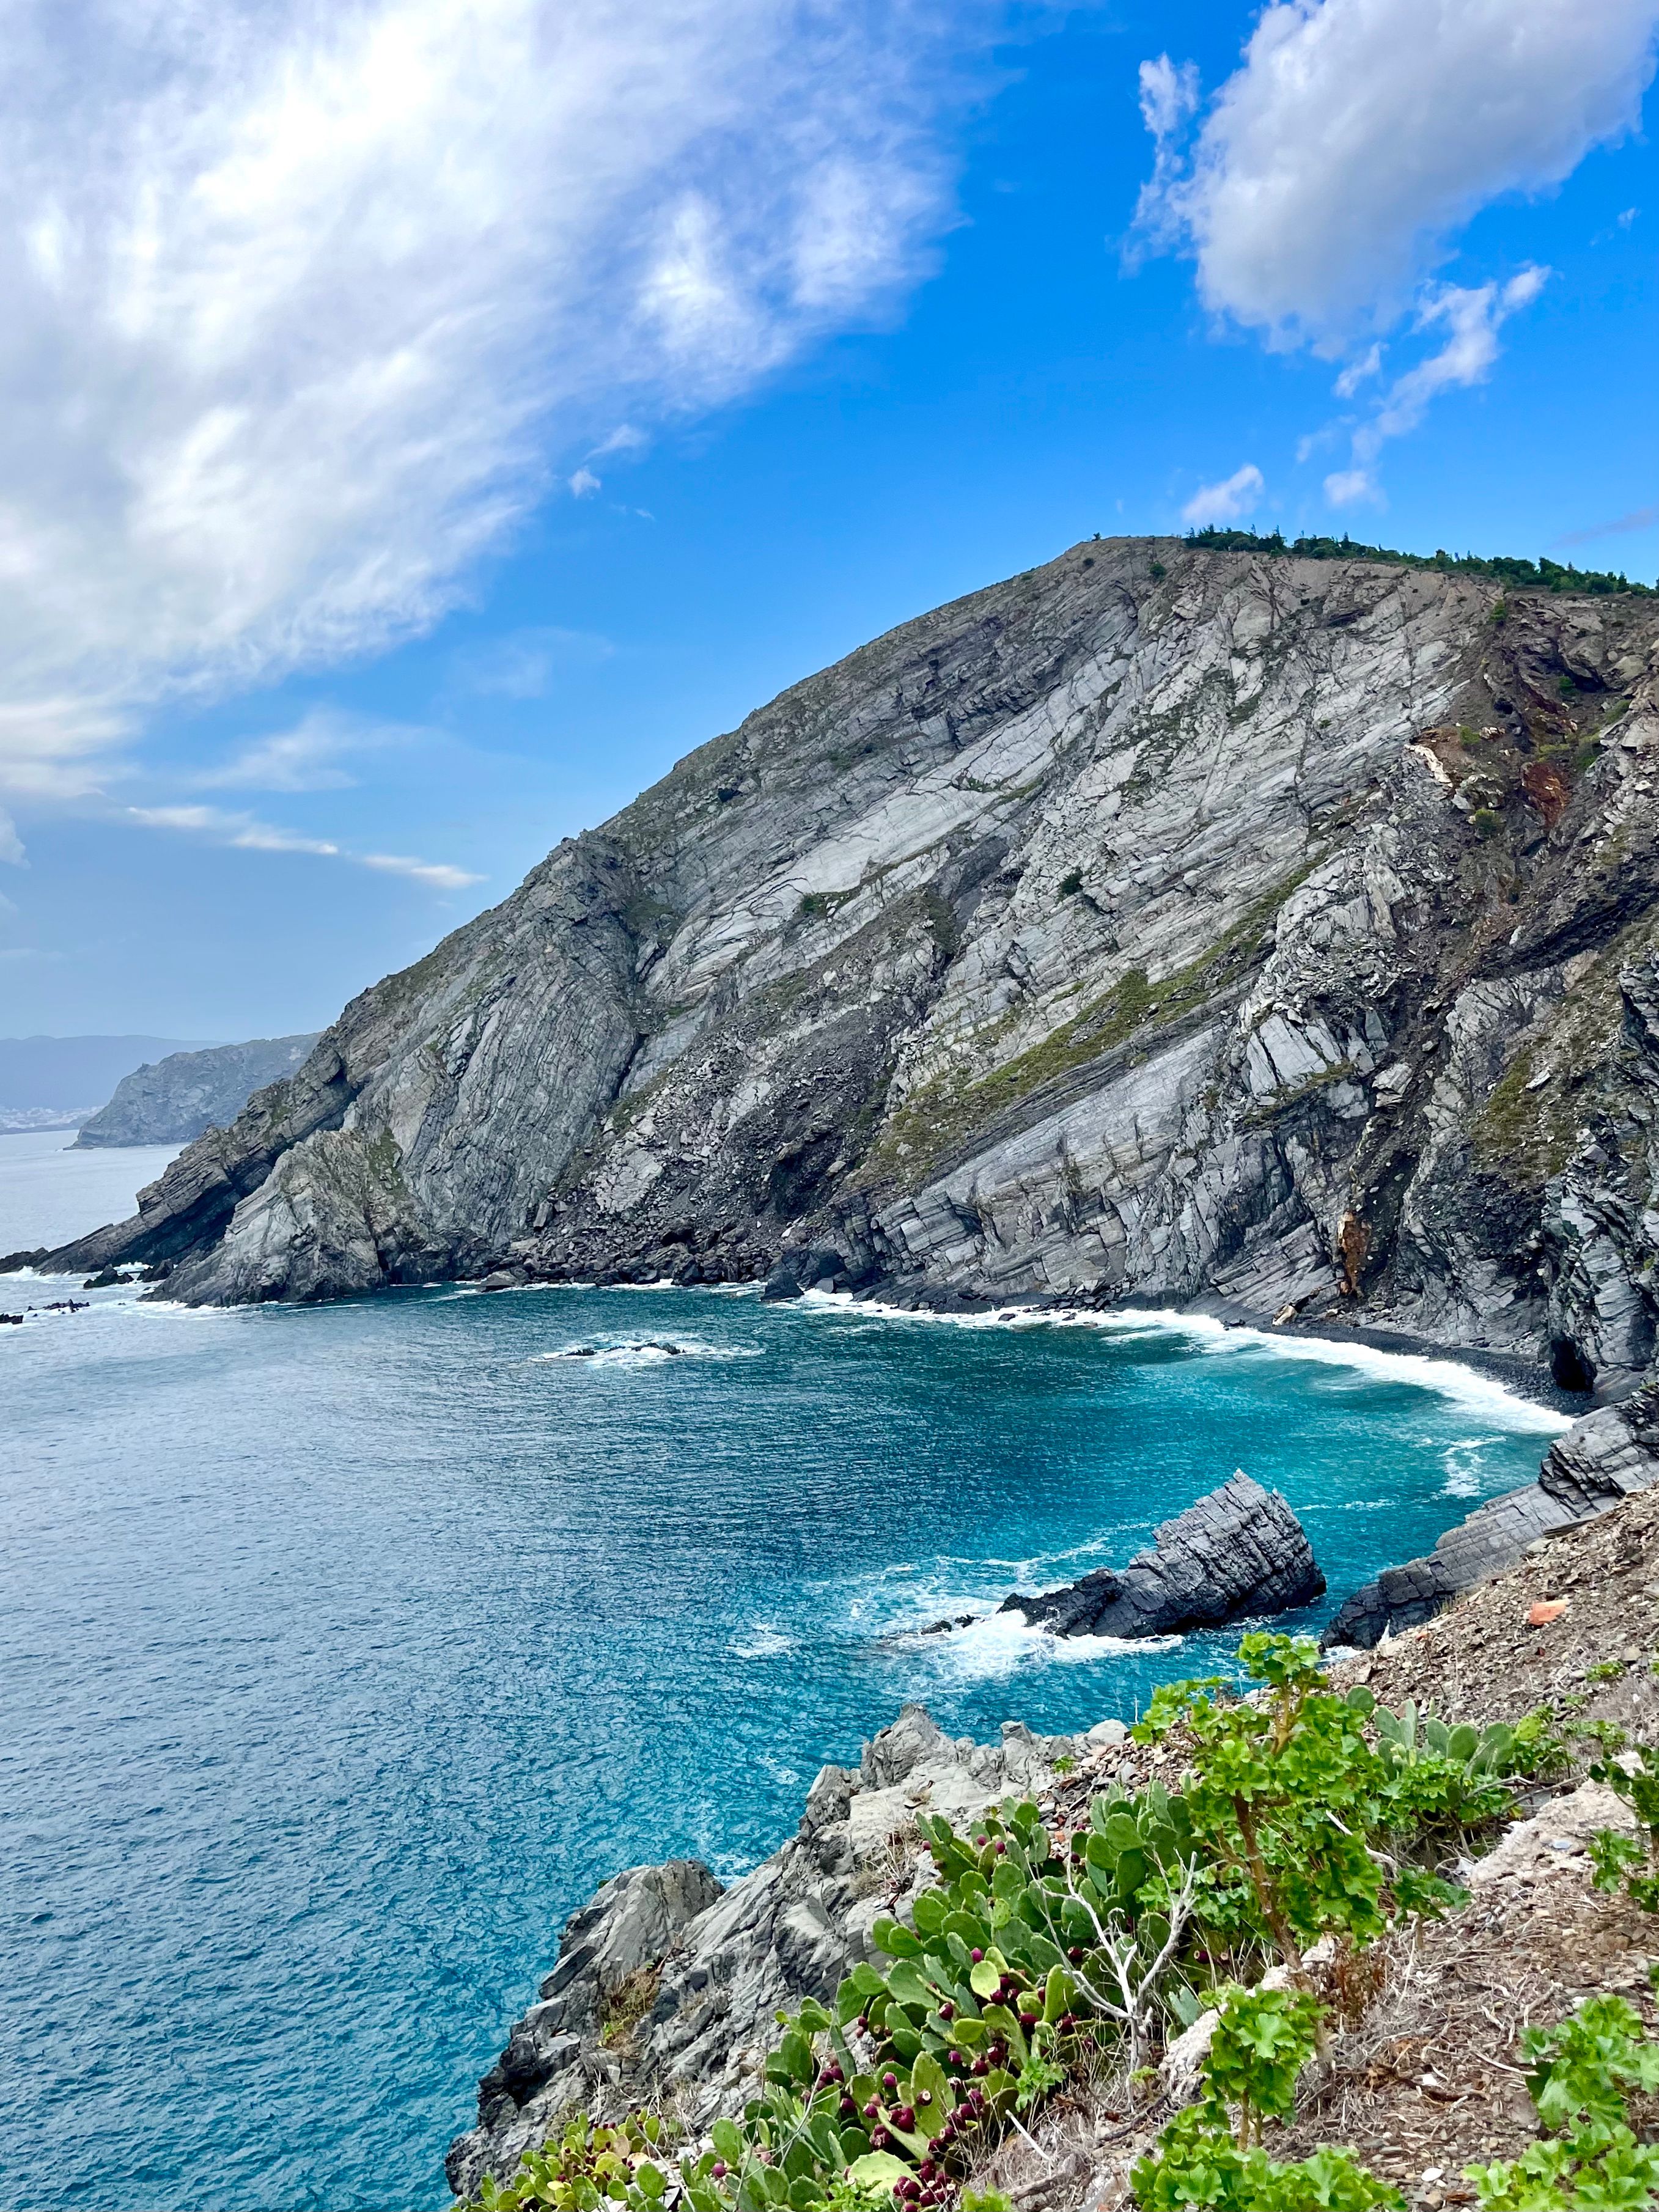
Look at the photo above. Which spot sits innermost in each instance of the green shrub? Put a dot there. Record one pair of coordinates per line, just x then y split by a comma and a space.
1034, 1951
1287, 1798
1071, 883
1484, 822
1615, 1857
1263, 2039
1581, 2073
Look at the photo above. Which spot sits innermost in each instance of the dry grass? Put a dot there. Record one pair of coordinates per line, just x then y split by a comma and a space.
627, 2005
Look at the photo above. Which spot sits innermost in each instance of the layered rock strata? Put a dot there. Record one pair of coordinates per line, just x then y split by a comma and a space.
1241, 1550
1607, 1456
667, 1987
1166, 923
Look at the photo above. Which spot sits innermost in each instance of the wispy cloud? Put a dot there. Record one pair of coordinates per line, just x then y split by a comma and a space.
1229, 500
523, 664
306, 307
1471, 317
246, 833
436, 873
1639, 518
308, 756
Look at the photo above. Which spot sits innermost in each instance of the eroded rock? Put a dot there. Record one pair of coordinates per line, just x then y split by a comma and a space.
1239, 1551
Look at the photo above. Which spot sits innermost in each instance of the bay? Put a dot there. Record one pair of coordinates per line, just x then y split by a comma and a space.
344, 1650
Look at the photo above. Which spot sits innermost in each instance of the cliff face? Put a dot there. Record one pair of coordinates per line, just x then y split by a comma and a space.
1169, 923
172, 1101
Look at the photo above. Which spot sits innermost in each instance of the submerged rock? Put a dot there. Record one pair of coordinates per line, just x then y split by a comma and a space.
1607, 1455
1240, 1550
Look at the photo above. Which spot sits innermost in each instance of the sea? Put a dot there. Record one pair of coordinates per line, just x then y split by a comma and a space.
345, 1650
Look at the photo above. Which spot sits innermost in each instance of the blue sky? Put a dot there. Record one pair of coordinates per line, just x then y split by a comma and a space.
425, 422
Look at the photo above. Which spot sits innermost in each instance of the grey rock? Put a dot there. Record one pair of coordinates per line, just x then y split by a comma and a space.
173, 1100
1602, 1458
728, 1960
1100, 936
1239, 1549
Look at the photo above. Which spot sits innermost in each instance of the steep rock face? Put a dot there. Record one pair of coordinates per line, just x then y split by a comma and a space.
1609, 1455
1166, 923
722, 1963
172, 1101
1240, 1550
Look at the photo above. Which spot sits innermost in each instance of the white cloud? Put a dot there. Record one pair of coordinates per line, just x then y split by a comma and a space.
1471, 316
585, 483
304, 305
1360, 371
1343, 486
306, 757
1333, 166
247, 834
436, 873
11, 845
1236, 496
1169, 95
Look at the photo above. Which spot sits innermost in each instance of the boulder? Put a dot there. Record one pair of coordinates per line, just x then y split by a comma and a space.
1240, 1550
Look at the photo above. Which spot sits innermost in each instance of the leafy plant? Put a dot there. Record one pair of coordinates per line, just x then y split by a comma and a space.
1581, 2074
1263, 2039
1071, 883
1285, 1797
1615, 1857
587, 2167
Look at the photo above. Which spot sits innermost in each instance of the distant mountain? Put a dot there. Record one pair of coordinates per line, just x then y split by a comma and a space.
173, 1102
53, 1082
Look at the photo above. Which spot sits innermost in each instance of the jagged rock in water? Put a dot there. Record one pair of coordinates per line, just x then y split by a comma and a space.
173, 1100
722, 1963
1602, 1458
1168, 923
1240, 1550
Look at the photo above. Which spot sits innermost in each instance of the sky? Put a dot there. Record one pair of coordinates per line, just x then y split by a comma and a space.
422, 422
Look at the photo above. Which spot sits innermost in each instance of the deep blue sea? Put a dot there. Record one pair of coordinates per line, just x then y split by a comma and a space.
343, 1651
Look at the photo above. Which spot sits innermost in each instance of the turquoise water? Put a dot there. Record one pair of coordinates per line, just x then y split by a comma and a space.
342, 1652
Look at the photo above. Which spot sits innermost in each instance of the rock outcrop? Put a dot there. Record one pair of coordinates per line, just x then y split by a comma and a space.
667, 1987
1203, 926
173, 1100
1607, 1456
1239, 1551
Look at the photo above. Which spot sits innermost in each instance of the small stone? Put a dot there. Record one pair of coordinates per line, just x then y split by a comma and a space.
1541, 1616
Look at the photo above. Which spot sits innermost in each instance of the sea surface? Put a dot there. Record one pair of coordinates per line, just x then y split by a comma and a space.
344, 1650
49, 1193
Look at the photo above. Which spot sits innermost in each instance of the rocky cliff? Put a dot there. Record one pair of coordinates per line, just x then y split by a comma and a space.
1165, 923
172, 1101
667, 1987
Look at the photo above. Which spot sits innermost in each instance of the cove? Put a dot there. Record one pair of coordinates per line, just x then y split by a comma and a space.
345, 1649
